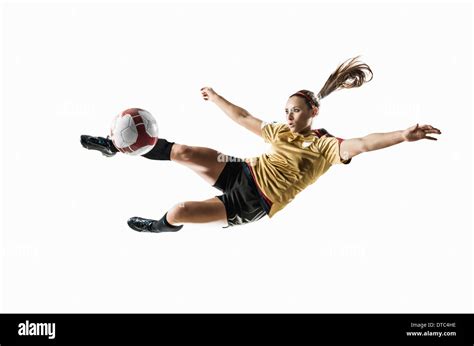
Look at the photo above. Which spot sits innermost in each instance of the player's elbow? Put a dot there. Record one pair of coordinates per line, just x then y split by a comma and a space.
243, 117
362, 146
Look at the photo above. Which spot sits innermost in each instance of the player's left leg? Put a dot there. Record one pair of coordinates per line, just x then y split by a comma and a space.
208, 211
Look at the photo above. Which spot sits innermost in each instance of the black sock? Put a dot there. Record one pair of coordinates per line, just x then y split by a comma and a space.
161, 150
164, 226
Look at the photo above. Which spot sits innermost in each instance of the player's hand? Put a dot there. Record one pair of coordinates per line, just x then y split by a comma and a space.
208, 94
416, 132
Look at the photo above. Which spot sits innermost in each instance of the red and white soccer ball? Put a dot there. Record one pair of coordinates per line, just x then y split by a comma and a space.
134, 131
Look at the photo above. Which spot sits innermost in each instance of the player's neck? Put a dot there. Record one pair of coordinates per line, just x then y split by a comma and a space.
306, 131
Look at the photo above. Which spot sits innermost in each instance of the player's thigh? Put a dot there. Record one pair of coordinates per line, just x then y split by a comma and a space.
206, 162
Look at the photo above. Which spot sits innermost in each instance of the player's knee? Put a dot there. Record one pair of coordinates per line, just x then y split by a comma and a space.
184, 152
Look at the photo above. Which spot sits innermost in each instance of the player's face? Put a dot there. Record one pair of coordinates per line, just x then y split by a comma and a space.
298, 115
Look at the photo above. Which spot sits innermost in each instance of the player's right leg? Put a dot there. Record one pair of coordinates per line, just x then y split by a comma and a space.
206, 162
104, 145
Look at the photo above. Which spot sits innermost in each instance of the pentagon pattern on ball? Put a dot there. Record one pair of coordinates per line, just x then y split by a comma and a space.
134, 131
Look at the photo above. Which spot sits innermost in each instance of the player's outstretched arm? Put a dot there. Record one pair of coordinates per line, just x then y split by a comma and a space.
236, 113
375, 141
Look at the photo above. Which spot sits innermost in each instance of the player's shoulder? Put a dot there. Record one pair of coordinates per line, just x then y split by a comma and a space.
321, 133
276, 126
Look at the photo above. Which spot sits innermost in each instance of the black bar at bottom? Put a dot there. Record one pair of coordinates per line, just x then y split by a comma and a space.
243, 329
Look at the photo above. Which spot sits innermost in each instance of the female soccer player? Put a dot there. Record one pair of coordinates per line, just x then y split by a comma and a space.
255, 187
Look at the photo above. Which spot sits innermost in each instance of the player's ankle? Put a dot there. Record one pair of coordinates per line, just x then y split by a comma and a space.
161, 150
166, 226
112, 147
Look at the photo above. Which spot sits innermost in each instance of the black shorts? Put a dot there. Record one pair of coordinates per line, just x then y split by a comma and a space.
242, 200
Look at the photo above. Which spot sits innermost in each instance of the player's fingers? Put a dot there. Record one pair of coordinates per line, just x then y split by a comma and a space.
432, 138
429, 127
425, 128
432, 131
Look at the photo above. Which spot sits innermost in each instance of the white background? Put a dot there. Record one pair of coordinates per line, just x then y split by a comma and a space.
391, 232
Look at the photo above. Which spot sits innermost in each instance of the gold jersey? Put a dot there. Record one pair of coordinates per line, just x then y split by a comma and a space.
294, 162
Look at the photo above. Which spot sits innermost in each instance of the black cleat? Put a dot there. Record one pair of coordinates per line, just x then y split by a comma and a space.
140, 224
104, 145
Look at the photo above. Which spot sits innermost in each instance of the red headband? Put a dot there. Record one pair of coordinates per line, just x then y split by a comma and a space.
310, 99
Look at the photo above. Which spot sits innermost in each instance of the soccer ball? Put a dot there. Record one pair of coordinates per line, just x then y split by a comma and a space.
134, 131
